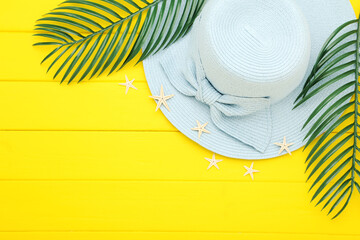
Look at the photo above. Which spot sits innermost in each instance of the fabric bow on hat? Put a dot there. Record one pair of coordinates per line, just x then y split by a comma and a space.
226, 111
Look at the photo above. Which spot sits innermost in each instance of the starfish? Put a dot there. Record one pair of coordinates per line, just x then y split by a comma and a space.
213, 162
128, 84
284, 146
162, 99
250, 170
200, 128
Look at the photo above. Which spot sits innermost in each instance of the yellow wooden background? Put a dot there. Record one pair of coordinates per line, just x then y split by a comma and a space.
88, 162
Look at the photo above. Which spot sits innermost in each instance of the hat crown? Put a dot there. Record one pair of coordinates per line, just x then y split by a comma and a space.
256, 48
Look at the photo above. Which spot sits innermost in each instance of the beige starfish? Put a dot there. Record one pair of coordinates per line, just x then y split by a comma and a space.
284, 146
162, 99
213, 162
128, 84
200, 128
250, 170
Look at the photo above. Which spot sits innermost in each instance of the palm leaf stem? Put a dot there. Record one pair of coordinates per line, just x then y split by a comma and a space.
356, 137
325, 158
355, 148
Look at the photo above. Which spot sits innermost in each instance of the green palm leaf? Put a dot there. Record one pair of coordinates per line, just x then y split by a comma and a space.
95, 36
333, 160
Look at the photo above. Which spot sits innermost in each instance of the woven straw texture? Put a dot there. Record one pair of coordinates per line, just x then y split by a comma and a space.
281, 69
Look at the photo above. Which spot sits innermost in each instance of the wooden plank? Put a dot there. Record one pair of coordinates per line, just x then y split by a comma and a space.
167, 206
168, 235
87, 106
20, 61
128, 155
15, 15
94, 155
91, 106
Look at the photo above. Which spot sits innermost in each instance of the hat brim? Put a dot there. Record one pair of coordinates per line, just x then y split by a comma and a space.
323, 18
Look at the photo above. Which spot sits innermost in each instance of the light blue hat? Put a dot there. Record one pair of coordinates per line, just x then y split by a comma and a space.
240, 70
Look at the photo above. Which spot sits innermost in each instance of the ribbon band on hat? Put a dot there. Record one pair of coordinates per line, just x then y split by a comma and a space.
225, 110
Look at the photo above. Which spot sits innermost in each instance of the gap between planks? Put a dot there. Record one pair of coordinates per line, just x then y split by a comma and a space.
153, 180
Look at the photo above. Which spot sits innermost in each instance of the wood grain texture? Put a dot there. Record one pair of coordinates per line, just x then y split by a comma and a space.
86, 161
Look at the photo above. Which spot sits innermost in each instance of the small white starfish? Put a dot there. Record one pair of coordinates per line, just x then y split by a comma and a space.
250, 170
213, 162
284, 146
200, 128
162, 99
128, 84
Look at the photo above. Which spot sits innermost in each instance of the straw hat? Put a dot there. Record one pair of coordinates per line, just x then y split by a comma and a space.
240, 69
